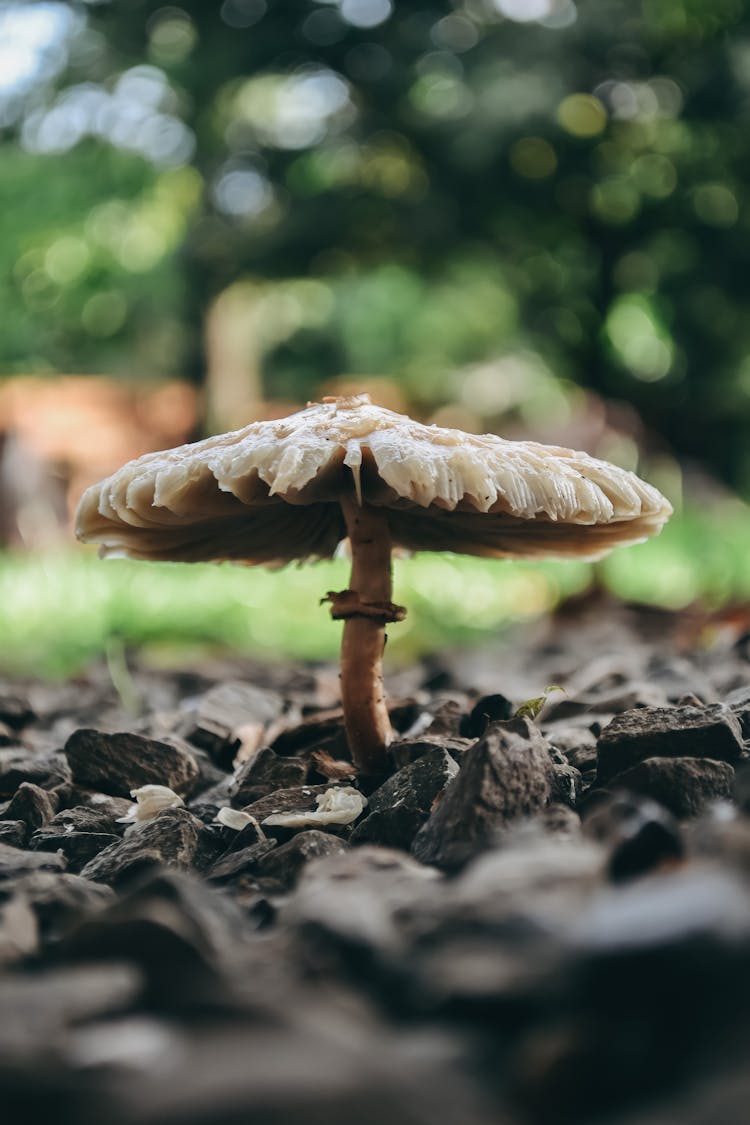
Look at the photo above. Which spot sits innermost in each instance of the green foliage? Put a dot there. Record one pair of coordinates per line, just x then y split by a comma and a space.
87, 265
466, 185
61, 610
530, 708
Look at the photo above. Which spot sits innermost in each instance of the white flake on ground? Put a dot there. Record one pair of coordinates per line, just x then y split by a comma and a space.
340, 805
150, 801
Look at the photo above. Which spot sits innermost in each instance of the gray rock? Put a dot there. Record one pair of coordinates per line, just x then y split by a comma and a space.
15, 862
682, 785
323, 729
350, 901
390, 828
644, 958
16, 766
303, 1069
505, 777
169, 840
222, 710
13, 832
408, 750
40, 1007
77, 847
19, 937
667, 732
57, 899
242, 862
92, 818
91, 811
117, 763
300, 799
182, 933
284, 865
416, 785
31, 804
399, 807
264, 774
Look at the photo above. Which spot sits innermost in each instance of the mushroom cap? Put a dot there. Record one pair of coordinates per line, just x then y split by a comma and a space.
270, 493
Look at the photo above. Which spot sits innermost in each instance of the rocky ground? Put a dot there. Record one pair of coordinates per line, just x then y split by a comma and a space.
542, 918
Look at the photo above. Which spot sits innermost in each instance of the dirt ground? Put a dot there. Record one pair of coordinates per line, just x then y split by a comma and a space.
537, 914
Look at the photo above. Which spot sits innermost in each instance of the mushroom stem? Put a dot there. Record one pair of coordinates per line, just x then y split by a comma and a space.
366, 609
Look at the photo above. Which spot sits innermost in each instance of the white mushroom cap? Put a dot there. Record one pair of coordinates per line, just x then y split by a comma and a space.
270, 493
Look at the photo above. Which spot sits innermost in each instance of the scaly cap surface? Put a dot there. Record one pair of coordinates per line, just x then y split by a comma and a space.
269, 493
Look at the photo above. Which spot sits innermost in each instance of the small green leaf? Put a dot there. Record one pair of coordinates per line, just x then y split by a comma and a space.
531, 708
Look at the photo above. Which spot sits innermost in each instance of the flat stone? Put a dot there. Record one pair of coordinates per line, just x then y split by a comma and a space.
19, 937
48, 1003
169, 840
668, 732
241, 862
15, 862
284, 865
182, 933
104, 808
682, 785
31, 804
92, 818
298, 799
669, 910
408, 750
264, 774
57, 898
47, 770
77, 847
350, 901
13, 832
325, 729
321, 729
223, 710
291, 1070
390, 828
645, 958
117, 763
504, 778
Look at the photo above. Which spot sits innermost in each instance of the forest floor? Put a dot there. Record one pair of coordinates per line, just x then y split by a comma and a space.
529, 918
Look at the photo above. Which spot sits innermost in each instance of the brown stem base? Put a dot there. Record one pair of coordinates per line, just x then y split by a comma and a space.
366, 608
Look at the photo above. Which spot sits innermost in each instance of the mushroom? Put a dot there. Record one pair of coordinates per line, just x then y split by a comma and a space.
295, 487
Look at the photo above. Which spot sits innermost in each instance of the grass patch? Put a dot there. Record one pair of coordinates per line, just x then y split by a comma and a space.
60, 610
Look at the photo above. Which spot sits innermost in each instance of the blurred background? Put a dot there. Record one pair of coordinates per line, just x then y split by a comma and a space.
523, 216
